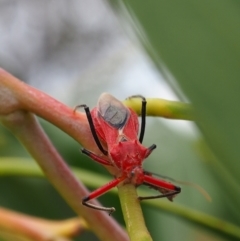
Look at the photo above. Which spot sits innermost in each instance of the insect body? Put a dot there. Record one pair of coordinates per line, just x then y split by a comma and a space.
117, 126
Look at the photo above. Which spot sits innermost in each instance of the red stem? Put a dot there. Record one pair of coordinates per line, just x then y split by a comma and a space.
15, 99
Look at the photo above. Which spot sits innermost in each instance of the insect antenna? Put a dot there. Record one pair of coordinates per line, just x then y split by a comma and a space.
143, 115
92, 128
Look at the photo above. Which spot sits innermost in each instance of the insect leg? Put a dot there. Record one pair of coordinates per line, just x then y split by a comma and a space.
168, 189
150, 149
96, 157
93, 130
194, 185
100, 191
169, 194
143, 115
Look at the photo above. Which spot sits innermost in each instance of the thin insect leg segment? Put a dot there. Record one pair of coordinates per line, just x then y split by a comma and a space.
151, 148
94, 133
194, 185
96, 157
160, 175
149, 179
143, 122
143, 115
100, 191
169, 194
170, 190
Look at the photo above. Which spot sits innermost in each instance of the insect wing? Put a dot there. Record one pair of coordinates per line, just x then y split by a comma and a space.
113, 121
113, 111
109, 117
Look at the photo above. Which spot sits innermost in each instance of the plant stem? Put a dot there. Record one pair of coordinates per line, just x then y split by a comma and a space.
38, 229
16, 95
17, 101
162, 108
26, 128
132, 213
24, 167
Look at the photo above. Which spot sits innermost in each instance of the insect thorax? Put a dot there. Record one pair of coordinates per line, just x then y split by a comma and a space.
128, 155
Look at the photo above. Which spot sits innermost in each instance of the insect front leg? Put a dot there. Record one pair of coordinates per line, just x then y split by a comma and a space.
96, 157
143, 115
92, 128
100, 191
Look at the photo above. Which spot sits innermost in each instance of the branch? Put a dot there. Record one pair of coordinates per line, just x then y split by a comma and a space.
17, 100
17, 225
23, 167
162, 108
132, 213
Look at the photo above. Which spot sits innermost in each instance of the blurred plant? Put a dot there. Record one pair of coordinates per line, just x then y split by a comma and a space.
19, 101
17, 226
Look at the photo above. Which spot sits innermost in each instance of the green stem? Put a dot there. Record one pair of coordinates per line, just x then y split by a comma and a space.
132, 213
163, 108
22, 167
221, 227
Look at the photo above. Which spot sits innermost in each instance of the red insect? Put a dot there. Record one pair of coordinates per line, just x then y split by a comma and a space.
117, 126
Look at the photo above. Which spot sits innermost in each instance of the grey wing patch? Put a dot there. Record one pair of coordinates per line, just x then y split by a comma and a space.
112, 111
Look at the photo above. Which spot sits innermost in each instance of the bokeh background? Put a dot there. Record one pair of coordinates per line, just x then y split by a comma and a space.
177, 50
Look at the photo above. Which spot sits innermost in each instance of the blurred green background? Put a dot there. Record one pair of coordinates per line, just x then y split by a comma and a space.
195, 50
